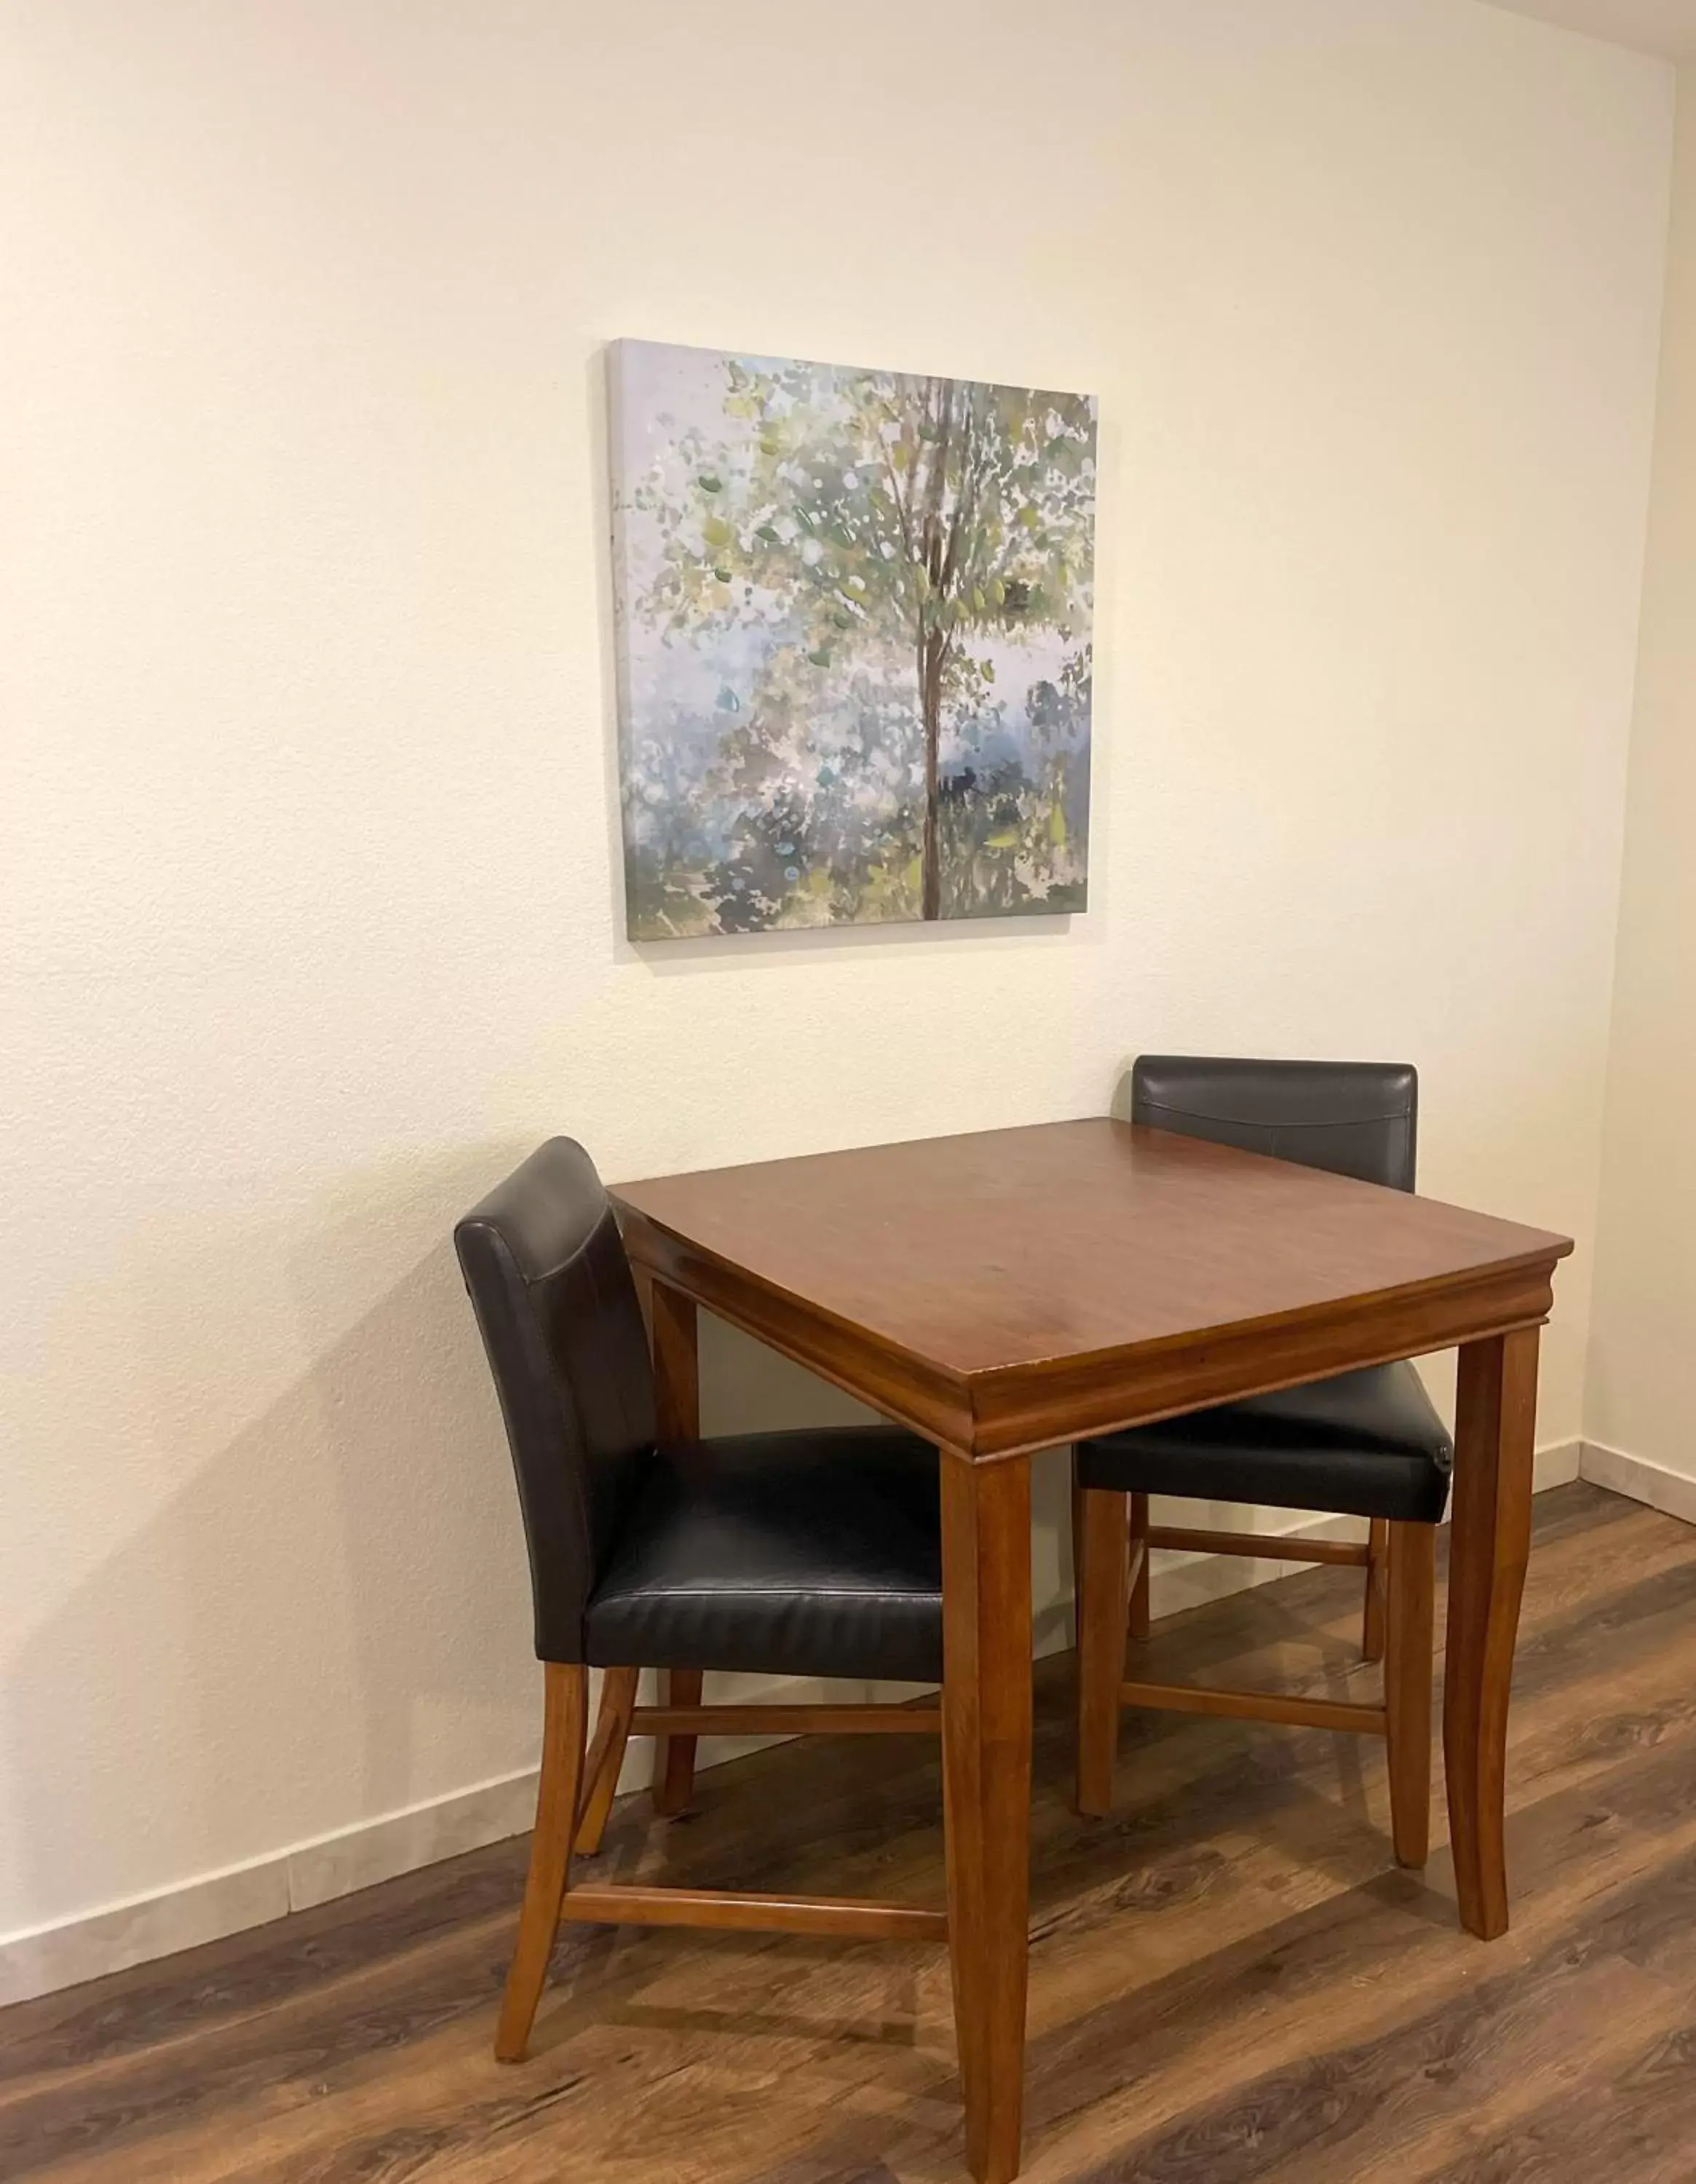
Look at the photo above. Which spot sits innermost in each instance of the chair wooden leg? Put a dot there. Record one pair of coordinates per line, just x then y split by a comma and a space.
606, 1757
673, 1763
1377, 1566
1102, 1613
550, 1856
1139, 1584
1409, 1620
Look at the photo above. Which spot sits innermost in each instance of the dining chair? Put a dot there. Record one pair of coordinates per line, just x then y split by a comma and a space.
1365, 1444
811, 1553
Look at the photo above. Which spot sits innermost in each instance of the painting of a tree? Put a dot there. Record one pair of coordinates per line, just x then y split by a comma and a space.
855, 618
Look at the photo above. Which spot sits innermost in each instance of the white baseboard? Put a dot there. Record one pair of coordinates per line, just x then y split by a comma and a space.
1558, 1465
42, 1959
1635, 1477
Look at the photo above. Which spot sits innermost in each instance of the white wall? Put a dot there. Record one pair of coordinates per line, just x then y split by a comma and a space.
309, 926
1642, 1397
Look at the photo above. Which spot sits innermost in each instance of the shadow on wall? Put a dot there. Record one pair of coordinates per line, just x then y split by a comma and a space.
330, 1620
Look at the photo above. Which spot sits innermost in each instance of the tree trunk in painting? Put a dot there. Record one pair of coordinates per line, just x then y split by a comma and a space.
938, 542
931, 650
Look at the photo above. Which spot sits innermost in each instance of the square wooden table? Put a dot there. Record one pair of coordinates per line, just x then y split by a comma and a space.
1007, 1290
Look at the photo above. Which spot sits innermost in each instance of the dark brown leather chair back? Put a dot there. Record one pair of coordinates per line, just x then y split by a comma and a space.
1359, 1119
546, 1268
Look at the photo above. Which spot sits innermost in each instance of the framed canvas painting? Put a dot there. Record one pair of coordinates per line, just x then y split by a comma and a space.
854, 633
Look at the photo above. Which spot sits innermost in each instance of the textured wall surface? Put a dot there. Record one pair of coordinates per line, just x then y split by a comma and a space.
309, 921
1642, 1393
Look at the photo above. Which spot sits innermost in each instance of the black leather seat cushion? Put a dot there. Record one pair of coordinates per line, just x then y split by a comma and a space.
803, 1554
1365, 1444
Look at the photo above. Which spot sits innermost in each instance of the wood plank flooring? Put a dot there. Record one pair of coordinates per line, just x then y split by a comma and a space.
1230, 1979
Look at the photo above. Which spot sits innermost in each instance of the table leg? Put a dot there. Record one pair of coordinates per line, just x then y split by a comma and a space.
1103, 1522
1489, 1547
1139, 1587
987, 1793
673, 1333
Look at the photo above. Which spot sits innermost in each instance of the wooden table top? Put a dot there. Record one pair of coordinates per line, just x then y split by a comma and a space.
992, 1272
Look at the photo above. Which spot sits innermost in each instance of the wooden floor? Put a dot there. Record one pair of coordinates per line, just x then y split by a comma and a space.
1229, 1979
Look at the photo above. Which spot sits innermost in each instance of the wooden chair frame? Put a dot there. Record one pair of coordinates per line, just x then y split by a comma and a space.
576, 1793
1112, 1541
